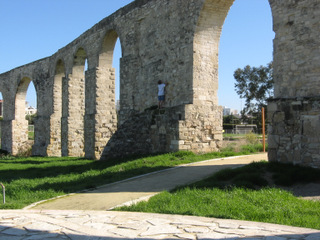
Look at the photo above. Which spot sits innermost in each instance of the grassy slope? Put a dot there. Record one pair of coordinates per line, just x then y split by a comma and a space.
29, 180
245, 194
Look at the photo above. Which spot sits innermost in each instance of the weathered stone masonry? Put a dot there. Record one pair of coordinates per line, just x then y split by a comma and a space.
294, 113
170, 40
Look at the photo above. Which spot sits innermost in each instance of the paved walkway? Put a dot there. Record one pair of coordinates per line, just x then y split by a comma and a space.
78, 221
143, 187
103, 225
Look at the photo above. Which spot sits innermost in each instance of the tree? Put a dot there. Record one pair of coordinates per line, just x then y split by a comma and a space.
231, 119
31, 118
255, 85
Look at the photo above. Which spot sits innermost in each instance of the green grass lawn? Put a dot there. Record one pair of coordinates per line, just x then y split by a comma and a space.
28, 180
245, 194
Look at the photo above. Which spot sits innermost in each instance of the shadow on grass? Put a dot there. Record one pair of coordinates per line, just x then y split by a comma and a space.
261, 175
91, 182
31, 169
157, 181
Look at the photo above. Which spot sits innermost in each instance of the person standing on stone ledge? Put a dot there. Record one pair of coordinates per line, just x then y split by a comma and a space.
161, 93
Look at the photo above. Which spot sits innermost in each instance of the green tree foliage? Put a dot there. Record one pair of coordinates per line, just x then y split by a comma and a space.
255, 85
230, 119
31, 118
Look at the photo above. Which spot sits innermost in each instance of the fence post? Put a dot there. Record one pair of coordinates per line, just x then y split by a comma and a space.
4, 193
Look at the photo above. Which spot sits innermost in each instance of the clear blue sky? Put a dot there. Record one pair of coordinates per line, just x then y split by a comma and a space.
34, 29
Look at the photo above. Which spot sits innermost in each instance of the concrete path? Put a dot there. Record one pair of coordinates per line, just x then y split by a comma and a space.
79, 222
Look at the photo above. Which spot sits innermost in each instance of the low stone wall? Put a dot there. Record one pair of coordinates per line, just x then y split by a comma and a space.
186, 127
294, 131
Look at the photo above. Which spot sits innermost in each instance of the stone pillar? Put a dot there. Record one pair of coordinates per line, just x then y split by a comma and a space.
64, 117
42, 125
55, 146
127, 87
73, 115
101, 115
19, 136
294, 131
14, 132
6, 135
294, 113
41, 135
6, 123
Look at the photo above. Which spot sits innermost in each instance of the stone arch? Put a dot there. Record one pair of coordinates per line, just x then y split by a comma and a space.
20, 141
205, 74
206, 50
54, 148
20, 101
101, 115
107, 48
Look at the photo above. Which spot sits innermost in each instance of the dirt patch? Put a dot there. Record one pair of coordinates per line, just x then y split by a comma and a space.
310, 191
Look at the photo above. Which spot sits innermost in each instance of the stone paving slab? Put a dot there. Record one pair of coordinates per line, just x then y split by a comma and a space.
102, 225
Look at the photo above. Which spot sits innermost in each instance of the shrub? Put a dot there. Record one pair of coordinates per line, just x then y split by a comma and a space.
252, 138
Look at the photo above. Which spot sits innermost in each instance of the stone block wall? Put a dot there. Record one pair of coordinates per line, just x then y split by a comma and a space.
294, 112
181, 128
294, 131
296, 48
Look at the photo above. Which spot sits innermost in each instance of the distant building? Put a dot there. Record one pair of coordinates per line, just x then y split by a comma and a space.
228, 111
30, 110
246, 128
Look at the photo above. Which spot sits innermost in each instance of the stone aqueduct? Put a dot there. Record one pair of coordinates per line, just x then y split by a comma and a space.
171, 40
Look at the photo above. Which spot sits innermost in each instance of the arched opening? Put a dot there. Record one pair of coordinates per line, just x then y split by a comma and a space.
246, 39
108, 91
25, 112
206, 67
54, 149
109, 58
116, 65
206, 51
31, 109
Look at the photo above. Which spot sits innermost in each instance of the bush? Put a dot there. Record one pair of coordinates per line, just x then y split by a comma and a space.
252, 138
